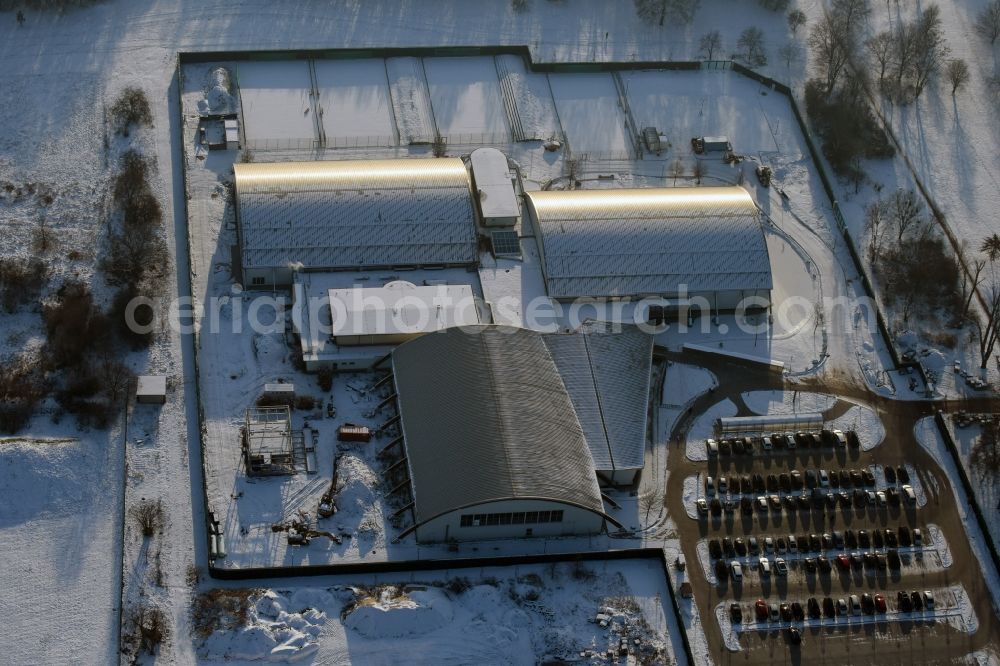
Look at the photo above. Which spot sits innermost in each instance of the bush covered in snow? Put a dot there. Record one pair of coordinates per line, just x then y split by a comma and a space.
131, 108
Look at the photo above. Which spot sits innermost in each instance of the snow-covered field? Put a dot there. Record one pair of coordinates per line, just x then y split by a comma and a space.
410, 102
532, 98
512, 615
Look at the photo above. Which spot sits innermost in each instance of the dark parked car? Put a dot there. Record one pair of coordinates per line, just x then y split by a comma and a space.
902, 475
850, 538
810, 563
722, 570
824, 564
869, 478
864, 540
890, 538
905, 539
715, 549
867, 604
893, 560
828, 608
794, 636
785, 482
813, 607
741, 547
903, 602
845, 478
772, 483
918, 600
796, 478
810, 479
735, 613
727, 547
797, 613
890, 474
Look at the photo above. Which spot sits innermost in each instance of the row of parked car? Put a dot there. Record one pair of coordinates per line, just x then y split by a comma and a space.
748, 484
806, 501
749, 444
816, 543
865, 604
856, 561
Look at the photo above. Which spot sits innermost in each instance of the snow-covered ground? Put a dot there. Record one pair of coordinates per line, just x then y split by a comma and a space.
787, 402
985, 483
513, 615
410, 103
536, 111
683, 384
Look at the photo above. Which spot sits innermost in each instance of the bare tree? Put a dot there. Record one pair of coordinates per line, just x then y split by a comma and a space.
929, 48
774, 5
647, 500
907, 211
851, 12
988, 22
710, 43
876, 224
676, 169
683, 11
991, 247
830, 42
796, 19
958, 74
751, 46
651, 11
114, 377
790, 52
135, 254
970, 282
699, 171
988, 329
881, 48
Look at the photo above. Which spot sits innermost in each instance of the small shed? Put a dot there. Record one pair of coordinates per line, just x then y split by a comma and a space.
279, 390
686, 591
151, 389
232, 128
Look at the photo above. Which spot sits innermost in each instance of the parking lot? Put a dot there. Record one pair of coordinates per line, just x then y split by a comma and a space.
808, 548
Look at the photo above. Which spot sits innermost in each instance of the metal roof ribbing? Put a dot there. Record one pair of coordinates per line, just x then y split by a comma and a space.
486, 417
646, 242
607, 376
350, 214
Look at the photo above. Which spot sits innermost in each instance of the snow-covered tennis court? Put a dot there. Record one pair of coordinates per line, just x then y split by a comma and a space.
466, 98
275, 101
354, 98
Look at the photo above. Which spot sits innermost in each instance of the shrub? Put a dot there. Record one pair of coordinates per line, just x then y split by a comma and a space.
305, 402
21, 387
143, 315
137, 256
149, 625
131, 108
324, 377
74, 325
21, 281
148, 515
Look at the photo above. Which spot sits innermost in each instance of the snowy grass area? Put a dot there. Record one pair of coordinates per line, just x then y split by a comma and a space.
683, 384
276, 101
787, 402
517, 615
60, 527
465, 96
986, 484
704, 427
590, 114
354, 99
865, 422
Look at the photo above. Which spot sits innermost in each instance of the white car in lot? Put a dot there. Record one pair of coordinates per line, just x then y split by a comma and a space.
737, 570
713, 448
855, 605
881, 498
841, 437
766, 443
908, 494
765, 567
709, 486
702, 506
780, 567
824, 479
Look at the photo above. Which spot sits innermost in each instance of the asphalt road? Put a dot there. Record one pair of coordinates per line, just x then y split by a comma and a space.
892, 642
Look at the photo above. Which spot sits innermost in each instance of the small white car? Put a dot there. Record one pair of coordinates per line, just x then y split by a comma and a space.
709, 486
702, 506
841, 437
737, 570
765, 567
780, 567
911, 497
713, 448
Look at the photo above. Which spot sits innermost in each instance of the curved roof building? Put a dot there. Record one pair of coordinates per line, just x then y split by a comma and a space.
492, 440
660, 242
352, 215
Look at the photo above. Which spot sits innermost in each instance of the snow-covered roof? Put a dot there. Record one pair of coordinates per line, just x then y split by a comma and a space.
493, 186
650, 242
486, 417
355, 214
401, 308
607, 377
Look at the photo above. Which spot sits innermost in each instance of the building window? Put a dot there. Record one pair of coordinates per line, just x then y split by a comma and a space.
509, 518
257, 281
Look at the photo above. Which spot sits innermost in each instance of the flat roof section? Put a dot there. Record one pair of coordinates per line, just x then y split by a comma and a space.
401, 308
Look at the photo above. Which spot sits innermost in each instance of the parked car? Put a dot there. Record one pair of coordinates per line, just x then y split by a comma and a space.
918, 600
903, 602
867, 604
893, 560
905, 539
868, 477
728, 547
735, 613
737, 570
824, 564
714, 549
721, 571
812, 607
850, 538
842, 606
702, 506
795, 477
715, 506
880, 605
840, 438
768, 544
780, 567
902, 474
741, 546
855, 605
780, 546
764, 566
709, 486
891, 540
928, 600
864, 540
911, 497
786, 612
810, 564
844, 562
713, 448
890, 474
918, 538
762, 611
785, 482
725, 447
828, 608
793, 544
